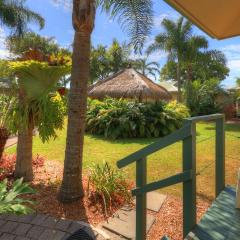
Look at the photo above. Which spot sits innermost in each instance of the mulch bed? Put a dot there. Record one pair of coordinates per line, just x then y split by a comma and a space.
47, 179
169, 219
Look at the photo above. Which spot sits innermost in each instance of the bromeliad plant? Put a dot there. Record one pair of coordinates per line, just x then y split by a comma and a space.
11, 201
108, 185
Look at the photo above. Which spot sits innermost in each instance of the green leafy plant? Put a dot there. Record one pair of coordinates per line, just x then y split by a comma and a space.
10, 201
203, 97
109, 185
115, 118
7, 102
47, 114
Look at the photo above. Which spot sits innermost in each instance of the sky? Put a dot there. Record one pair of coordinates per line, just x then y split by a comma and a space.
58, 24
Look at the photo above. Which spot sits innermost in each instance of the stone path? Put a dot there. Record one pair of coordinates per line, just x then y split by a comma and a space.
122, 224
44, 227
11, 141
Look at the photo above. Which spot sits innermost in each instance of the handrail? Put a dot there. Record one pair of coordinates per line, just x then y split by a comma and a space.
206, 117
176, 136
178, 178
188, 177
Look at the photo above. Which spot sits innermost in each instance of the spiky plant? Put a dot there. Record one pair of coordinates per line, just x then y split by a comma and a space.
11, 201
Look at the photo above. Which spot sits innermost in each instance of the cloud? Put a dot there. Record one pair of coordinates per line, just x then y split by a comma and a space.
65, 4
232, 53
4, 53
157, 20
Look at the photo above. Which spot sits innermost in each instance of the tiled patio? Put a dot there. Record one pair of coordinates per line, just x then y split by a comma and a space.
43, 227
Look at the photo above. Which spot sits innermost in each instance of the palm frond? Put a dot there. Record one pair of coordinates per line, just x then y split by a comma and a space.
159, 44
16, 16
135, 17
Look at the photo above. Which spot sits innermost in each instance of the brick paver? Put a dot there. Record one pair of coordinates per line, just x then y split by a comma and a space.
35, 232
40, 227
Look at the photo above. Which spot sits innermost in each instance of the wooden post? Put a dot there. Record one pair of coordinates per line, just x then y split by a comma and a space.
220, 156
189, 187
141, 200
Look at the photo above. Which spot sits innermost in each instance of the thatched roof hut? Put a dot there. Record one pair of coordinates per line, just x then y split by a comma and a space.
129, 84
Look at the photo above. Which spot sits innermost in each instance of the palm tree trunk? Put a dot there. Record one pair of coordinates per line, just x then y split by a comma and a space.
189, 86
24, 154
179, 98
83, 22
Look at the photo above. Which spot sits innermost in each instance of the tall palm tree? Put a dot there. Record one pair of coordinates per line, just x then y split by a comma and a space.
173, 41
147, 68
15, 15
136, 18
192, 53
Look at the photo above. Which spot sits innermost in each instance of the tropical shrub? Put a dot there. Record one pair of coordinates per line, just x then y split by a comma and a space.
202, 100
6, 103
10, 201
109, 185
114, 118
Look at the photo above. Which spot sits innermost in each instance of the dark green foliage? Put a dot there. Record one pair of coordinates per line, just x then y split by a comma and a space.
16, 16
46, 45
202, 100
127, 119
106, 61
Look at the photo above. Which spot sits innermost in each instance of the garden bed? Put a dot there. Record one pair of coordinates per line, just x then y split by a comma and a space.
47, 179
169, 220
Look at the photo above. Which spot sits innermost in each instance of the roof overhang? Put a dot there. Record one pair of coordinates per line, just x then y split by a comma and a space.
218, 18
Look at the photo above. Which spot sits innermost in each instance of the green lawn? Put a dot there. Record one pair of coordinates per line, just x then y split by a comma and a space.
161, 164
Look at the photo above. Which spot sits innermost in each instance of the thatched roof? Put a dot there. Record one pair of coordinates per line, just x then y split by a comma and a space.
131, 84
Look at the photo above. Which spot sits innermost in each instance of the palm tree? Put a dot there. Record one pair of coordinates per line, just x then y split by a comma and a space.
136, 17
173, 41
193, 54
15, 15
147, 68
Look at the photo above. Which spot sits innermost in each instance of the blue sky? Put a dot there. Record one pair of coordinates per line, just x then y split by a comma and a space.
58, 24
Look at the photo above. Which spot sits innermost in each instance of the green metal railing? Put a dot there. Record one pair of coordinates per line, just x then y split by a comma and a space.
187, 134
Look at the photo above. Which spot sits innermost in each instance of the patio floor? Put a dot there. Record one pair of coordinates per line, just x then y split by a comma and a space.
44, 227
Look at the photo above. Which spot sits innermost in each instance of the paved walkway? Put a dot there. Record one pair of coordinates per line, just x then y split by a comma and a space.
11, 141
122, 224
44, 227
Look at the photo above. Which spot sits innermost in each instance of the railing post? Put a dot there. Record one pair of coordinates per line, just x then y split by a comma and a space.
141, 200
189, 187
220, 155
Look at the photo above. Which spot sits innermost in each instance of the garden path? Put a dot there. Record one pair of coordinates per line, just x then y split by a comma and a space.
122, 224
11, 141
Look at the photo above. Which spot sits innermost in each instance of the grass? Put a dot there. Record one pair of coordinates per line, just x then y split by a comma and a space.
161, 164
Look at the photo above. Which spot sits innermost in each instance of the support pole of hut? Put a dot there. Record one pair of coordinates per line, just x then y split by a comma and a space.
238, 191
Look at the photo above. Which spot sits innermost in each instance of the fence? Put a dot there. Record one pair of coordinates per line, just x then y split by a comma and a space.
187, 134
